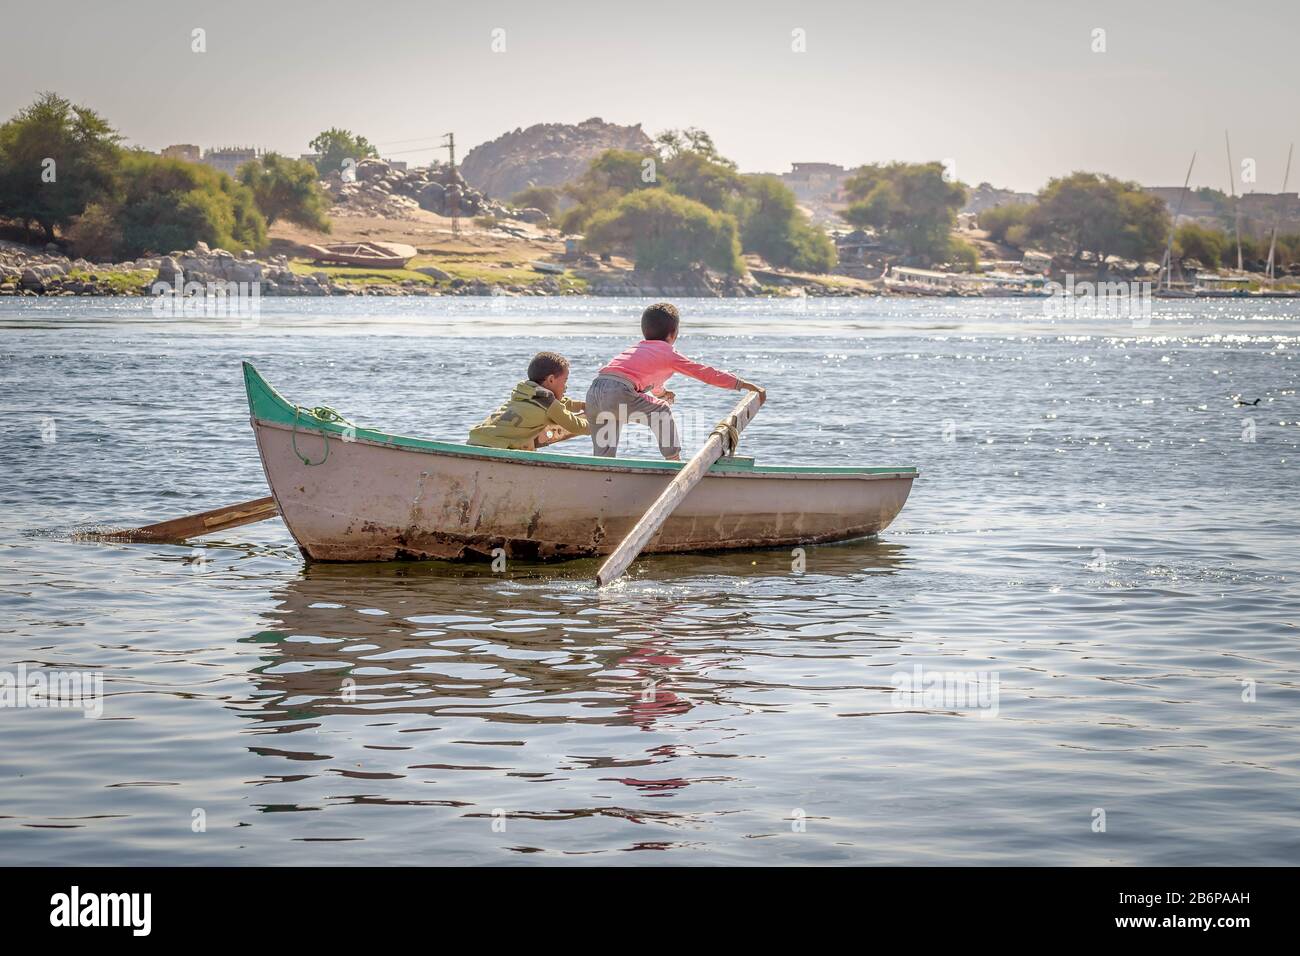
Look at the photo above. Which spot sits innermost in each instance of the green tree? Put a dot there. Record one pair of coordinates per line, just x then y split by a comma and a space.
962, 253
95, 234
1206, 246
698, 176
612, 175
1099, 214
1000, 221
287, 189
55, 159
661, 230
776, 228
170, 204
910, 205
545, 198
673, 142
335, 145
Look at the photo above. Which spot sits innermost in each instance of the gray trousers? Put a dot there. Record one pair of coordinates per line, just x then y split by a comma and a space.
612, 402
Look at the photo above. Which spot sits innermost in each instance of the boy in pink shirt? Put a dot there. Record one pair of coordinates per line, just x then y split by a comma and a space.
631, 387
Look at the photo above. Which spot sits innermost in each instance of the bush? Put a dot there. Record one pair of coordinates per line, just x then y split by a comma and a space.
1194, 241
171, 204
545, 198
612, 175
962, 253
95, 234
776, 228
999, 221
664, 231
287, 189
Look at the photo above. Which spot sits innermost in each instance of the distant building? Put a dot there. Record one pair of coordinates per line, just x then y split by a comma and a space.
185, 151
854, 246
1260, 210
1212, 208
1190, 203
852, 251
815, 180
986, 196
397, 165
228, 159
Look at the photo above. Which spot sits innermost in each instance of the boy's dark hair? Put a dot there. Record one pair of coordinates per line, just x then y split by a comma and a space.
659, 321
546, 364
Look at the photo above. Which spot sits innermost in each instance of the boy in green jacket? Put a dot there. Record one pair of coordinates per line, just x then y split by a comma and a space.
537, 412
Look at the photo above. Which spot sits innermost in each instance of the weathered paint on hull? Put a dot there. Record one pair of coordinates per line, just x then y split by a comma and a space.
371, 501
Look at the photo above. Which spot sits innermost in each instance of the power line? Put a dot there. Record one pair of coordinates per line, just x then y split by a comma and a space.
396, 142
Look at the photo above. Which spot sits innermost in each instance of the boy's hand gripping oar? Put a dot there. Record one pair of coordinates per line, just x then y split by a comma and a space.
723, 439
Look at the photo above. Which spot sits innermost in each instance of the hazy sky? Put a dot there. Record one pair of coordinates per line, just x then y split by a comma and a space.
1010, 91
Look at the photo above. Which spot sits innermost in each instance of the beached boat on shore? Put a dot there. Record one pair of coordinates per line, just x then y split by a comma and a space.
377, 255
354, 494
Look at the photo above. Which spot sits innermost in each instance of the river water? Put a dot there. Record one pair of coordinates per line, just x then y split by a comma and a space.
1102, 541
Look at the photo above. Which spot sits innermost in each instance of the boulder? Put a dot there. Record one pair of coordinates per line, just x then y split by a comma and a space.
431, 197
169, 269
369, 169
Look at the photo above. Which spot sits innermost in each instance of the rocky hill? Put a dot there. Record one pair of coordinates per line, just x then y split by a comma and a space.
548, 154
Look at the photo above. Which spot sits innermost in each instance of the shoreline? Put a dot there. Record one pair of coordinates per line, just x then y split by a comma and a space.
27, 271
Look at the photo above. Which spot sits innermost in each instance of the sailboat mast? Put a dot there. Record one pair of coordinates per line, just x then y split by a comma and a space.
1277, 217
1232, 190
1169, 245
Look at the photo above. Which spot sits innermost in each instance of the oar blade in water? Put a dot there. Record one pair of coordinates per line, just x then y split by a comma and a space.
192, 526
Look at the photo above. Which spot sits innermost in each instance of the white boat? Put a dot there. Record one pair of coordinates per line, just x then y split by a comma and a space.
356, 494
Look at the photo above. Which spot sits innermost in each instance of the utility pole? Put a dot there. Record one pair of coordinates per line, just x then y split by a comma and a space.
452, 203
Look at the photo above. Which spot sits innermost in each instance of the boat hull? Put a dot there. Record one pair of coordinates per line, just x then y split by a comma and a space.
371, 497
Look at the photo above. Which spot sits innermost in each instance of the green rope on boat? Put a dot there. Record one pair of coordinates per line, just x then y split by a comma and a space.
322, 413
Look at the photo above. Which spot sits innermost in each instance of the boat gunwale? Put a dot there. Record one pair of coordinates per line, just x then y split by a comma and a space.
292, 417
585, 462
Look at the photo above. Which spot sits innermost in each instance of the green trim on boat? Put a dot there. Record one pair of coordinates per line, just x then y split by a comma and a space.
268, 405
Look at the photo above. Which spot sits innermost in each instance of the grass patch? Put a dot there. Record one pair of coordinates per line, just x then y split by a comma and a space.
471, 268
465, 268
120, 283
362, 275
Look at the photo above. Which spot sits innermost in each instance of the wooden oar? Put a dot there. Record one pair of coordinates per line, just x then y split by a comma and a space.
723, 439
191, 526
